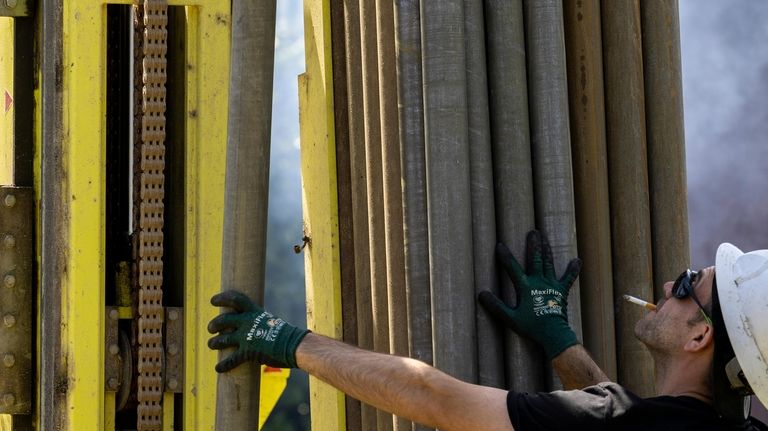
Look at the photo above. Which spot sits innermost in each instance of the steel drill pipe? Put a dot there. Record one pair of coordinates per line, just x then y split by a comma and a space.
590, 175
628, 176
448, 188
551, 143
246, 191
490, 343
666, 140
359, 186
374, 178
512, 173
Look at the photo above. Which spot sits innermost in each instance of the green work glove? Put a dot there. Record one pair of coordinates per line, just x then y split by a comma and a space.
542, 299
257, 334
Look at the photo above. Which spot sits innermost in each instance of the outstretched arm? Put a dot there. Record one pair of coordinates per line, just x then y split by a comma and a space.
403, 386
577, 369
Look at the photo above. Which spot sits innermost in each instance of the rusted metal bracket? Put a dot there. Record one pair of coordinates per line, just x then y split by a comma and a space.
112, 368
17, 242
174, 349
16, 8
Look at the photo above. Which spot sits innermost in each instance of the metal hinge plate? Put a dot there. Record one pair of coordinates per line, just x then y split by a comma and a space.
16, 8
17, 256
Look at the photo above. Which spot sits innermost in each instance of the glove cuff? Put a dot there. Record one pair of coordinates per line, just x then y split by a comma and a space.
290, 343
562, 339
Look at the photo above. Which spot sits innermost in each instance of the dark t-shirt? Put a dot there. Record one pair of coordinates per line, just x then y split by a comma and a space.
608, 406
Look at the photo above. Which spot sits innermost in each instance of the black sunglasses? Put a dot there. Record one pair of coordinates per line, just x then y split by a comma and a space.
683, 288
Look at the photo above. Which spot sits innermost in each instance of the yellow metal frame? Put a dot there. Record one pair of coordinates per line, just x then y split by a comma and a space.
320, 200
83, 141
6, 84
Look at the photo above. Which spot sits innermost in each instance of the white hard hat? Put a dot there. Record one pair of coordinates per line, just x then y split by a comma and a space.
742, 291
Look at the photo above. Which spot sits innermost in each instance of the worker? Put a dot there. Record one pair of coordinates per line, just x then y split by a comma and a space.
688, 337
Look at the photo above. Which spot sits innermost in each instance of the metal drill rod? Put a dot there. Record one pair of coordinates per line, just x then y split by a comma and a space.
246, 191
512, 173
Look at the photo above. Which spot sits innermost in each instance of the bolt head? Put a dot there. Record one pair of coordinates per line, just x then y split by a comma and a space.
9, 360
10, 201
114, 349
9, 400
112, 383
173, 349
9, 320
11, 3
173, 383
9, 281
173, 315
114, 314
9, 241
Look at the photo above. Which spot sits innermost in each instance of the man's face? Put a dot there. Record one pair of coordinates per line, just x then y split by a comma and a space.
667, 329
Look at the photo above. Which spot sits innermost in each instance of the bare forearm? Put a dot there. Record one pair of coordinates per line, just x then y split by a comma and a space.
403, 386
577, 369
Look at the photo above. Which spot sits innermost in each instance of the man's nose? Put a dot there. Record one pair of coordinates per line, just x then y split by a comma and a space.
668, 289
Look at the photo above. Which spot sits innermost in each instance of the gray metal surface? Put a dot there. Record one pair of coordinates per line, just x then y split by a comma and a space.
17, 254
666, 141
590, 176
375, 181
551, 142
448, 188
411, 102
490, 341
358, 186
628, 176
246, 190
393, 192
512, 172
53, 216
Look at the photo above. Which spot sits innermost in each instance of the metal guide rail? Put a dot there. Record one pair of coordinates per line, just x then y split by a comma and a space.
152, 20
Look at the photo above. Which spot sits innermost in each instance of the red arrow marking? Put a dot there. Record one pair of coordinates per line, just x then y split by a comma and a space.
8, 101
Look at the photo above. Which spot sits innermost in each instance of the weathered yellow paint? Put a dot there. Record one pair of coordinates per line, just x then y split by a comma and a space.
319, 196
168, 411
6, 85
109, 411
208, 28
83, 137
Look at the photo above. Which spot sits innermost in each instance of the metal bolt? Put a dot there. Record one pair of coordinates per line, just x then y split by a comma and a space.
9, 400
9, 281
10, 201
9, 320
173, 315
11, 3
114, 314
9, 241
173, 349
173, 383
114, 349
9, 360
112, 383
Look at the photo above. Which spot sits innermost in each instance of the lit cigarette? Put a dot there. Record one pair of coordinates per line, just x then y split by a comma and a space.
640, 302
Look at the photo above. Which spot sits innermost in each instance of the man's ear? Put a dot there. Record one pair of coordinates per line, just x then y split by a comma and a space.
702, 336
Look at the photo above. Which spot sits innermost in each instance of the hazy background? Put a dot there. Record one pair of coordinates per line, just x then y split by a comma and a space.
725, 86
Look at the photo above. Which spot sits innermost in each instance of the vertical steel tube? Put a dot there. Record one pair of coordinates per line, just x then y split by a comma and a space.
490, 342
448, 188
628, 176
359, 189
53, 214
550, 139
512, 173
376, 227
666, 140
393, 192
411, 102
246, 190
590, 175
344, 190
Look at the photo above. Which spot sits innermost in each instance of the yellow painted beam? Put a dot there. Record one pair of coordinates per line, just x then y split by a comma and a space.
320, 202
6, 105
83, 138
208, 27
